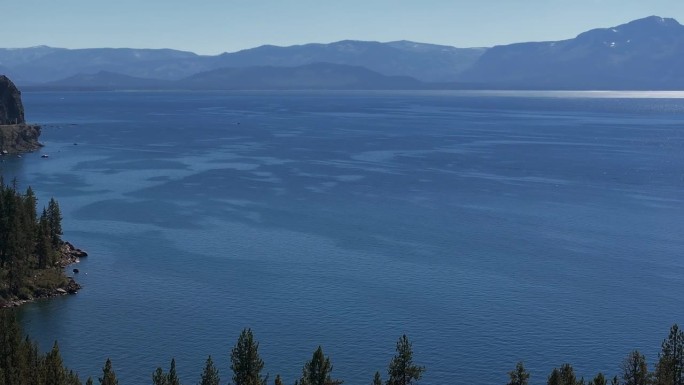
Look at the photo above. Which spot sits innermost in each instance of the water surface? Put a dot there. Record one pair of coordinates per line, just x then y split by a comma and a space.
488, 227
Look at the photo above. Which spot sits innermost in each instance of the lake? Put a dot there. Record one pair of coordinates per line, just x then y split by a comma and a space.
490, 227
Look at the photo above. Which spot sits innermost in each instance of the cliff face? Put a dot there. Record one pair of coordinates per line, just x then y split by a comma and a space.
15, 135
11, 108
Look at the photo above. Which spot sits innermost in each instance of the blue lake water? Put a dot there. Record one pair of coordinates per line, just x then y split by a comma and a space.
488, 227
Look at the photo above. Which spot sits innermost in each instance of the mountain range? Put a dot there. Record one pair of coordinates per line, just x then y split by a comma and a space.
643, 54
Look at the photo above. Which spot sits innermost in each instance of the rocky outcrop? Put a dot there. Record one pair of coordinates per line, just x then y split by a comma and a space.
71, 287
70, 254
11, 108
15, 135
18, 138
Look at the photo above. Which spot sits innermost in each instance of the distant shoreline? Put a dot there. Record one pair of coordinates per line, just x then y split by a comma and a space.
541, 93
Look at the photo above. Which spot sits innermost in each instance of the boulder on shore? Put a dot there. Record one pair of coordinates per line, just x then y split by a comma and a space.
72, 287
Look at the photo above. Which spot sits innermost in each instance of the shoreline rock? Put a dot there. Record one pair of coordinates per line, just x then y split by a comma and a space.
19, 138
69, 255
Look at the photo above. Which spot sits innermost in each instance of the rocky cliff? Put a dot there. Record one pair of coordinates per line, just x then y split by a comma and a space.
15, 135
11, 108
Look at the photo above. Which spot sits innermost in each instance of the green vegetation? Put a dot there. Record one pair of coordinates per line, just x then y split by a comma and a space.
519, 376
22, 364
170, 378
635, 369
668, 369
210, 376
377, 380
108, 375
402, 370
317, 371
671, 363
245, 361
29, 246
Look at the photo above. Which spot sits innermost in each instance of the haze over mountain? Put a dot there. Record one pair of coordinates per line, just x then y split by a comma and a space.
308, 76
643, 54
106, 80
422, 61
426, 62
44, 64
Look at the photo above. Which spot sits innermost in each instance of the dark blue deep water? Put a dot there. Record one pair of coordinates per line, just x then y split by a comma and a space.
488, 227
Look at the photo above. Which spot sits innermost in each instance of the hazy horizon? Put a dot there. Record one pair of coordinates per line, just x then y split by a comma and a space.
242, 49
219, 26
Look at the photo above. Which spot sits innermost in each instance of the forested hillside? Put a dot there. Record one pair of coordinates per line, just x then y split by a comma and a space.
31, 248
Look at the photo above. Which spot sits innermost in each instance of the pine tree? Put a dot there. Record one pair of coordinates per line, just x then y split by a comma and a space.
29, 214
567, 374
600, 379
72, 378
563, 376
10, 347
173, 376
54, 217
554, 377
377, 380
89, 381
671, 359
245, 361
519, 376
210, 376
54, 367
15, 242
159, 377
664, 373
34, 362
43, 247
7, 212
635, 370
401, 370
317, 371
108, 375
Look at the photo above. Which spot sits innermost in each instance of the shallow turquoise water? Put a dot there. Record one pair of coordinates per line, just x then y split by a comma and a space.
489, 228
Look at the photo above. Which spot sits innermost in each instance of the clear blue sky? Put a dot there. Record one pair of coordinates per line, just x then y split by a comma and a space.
215, 26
